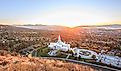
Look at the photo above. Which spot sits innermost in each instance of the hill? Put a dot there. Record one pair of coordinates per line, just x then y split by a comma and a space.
12, 28
44, 27
19, 63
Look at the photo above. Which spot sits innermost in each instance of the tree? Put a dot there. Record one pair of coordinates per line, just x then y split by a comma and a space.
93, 56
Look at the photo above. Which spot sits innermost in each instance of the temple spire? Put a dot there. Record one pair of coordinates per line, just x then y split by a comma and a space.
59, 39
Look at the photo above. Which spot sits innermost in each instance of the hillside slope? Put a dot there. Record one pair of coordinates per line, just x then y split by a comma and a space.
15, 63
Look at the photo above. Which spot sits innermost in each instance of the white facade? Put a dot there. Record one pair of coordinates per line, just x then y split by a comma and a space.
59, 45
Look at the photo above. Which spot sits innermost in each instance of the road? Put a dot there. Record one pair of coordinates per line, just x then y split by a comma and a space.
30, 47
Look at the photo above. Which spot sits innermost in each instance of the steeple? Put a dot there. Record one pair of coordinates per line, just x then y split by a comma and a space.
59, 39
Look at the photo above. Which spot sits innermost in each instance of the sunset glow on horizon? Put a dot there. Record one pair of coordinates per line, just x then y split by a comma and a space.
60, 12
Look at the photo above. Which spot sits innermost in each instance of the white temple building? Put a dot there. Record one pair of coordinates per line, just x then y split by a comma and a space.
59, 45
84, 53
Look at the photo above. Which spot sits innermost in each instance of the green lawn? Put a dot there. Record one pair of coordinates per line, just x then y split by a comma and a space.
43, 52
61, 55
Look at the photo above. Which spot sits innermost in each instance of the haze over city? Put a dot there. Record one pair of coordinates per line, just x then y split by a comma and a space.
60, 12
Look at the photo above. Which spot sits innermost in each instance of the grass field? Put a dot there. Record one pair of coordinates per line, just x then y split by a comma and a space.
43, 52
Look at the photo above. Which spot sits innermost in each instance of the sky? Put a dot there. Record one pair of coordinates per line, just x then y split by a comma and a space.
60, 12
